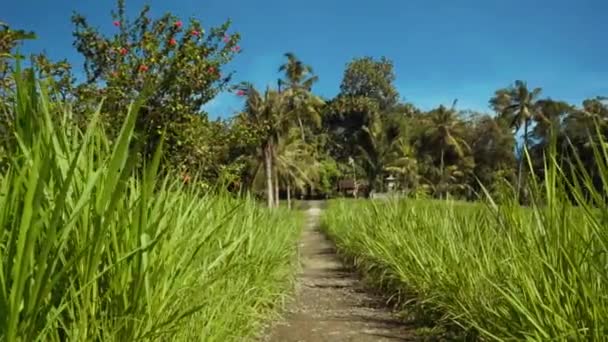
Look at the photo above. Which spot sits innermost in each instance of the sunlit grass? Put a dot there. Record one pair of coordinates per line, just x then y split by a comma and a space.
503, 271
92, 249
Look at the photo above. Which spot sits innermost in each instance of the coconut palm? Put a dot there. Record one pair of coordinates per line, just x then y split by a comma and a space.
298, 82
520, 107
377, 144
402, 163
447, 130
298, 74
270, 115
296, 164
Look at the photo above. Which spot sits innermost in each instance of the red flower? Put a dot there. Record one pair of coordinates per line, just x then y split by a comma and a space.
172, 41
186, 178
178, 24
211, 70
240, 93
236, 49
123, 51
143, 68
116, 23
226, 38
195, 33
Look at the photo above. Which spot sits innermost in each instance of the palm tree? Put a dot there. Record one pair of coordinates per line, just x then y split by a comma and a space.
296, 164
377, 145
298, 74
294, 167
269, 114
403, 163
520, 106
447, 131
299, 79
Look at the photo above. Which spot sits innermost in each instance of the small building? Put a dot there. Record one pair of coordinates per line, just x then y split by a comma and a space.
351, 188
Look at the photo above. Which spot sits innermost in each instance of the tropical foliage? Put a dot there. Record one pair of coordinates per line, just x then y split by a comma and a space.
364, 130
102, 180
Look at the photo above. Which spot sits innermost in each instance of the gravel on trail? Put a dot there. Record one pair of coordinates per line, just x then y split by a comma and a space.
332, 303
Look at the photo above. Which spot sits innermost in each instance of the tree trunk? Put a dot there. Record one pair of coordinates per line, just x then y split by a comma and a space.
441, 166
288, 196
521, 159
268, 170
355, 185
276, 178
301, 128
276, 188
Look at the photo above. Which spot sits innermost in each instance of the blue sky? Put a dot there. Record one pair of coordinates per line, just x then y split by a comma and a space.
441, 49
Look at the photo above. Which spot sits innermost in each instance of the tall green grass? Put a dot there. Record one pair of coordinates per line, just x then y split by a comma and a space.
92, 250
504, 272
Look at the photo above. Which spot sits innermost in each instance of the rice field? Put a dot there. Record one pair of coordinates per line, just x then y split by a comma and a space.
93, 250
500, 272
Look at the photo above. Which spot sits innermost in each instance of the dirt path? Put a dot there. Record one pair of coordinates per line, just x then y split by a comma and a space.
331, 303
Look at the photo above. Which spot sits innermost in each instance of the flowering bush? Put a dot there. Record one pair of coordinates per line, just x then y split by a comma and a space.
176, 63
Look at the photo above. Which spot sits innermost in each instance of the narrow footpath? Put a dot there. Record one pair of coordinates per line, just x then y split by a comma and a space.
331, 303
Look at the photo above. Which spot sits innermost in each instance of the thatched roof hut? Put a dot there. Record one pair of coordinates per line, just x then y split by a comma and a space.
348, 187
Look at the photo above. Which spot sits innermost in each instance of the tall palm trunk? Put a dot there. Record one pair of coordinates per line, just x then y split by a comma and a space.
288, 196
275, 173
301, 128
521, 159
268, 170
441, 173
276, 188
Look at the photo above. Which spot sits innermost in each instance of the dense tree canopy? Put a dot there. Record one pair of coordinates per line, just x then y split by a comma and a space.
288, 141
366, 77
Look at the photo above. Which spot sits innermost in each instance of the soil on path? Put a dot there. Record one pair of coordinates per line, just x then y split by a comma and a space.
331, 302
